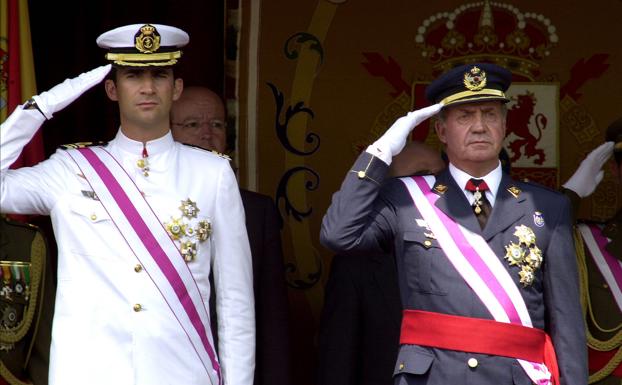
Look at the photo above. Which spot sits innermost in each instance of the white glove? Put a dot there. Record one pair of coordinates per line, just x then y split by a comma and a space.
394, 139
61, 95
590, 173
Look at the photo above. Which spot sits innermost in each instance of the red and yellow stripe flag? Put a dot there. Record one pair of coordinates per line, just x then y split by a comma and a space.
17, 72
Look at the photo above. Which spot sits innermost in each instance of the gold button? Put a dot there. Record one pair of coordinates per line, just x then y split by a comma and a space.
361, 174
605, 286
401, 366
138, 268
137, 307
472, 362
93, 217
427, 243
140, 163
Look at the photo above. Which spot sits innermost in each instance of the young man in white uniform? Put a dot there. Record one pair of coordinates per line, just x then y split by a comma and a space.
139, 228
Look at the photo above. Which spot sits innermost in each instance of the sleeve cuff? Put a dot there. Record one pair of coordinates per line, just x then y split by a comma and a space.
379, 152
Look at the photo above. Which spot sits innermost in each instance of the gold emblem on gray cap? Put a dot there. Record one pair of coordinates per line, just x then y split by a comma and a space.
475, 79
148, 39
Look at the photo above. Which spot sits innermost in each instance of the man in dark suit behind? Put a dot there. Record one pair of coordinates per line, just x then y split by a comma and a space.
360, 324
485, 264
198, 118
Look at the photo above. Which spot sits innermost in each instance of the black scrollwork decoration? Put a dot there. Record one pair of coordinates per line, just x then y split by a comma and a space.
307, 282
281, 128
293, 43
281, 192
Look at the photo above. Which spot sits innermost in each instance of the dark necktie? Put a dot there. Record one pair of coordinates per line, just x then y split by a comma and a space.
481, 205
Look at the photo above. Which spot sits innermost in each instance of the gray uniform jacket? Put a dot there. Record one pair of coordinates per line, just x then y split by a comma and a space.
368, 214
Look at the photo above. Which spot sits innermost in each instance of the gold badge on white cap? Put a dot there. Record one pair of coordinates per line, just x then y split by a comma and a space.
148, 39
143, 45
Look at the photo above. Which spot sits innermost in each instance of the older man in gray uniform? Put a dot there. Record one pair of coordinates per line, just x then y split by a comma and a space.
486, 265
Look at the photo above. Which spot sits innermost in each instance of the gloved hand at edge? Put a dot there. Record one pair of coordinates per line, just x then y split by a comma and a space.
589, 173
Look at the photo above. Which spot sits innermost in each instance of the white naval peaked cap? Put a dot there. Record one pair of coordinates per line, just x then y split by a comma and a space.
143, 45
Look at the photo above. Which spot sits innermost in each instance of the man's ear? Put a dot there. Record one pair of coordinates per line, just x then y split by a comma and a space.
178, 88
439, 127
111, 90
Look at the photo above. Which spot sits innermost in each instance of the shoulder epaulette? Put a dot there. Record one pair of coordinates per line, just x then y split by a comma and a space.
539, 185
590, 221
72, 146
219, 154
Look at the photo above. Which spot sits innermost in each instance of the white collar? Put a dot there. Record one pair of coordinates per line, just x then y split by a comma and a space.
154, 147
492, 179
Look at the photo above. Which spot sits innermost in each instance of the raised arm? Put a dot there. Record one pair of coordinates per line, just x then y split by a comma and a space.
355, 220
23, 191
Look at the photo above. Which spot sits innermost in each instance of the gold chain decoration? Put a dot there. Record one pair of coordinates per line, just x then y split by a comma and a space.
593, 342
38, 253
37, 266
6, 374
607, 369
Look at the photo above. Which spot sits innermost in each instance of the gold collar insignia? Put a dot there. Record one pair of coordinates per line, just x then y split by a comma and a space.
515, 191
440, 188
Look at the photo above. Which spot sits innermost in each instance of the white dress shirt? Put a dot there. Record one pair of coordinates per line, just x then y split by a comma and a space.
492, 179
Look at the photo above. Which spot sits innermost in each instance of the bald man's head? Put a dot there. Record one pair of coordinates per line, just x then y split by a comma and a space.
198, 118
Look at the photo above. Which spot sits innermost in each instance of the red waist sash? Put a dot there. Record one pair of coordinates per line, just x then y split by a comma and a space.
477, 335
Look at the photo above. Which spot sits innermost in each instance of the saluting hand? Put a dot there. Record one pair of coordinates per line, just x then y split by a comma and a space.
590, 173
61, 95
394, 139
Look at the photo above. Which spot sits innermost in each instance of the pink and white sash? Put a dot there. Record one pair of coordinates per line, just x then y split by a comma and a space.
478, 264
609, 266
153, 248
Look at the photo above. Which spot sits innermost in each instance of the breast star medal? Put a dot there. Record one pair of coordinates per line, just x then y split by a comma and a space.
187, 231
189, 209
524, 254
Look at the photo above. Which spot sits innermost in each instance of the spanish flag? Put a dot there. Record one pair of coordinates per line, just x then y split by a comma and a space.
17, 72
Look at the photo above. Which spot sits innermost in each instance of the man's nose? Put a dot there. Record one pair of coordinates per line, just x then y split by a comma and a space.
147, 84
206, 130
478, 122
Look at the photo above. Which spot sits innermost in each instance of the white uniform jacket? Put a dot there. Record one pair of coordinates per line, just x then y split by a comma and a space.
98, 335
